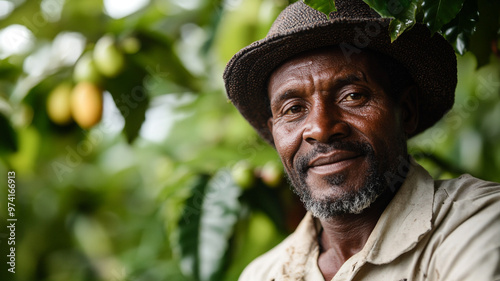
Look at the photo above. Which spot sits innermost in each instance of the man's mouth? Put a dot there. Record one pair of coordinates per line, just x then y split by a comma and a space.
333, 162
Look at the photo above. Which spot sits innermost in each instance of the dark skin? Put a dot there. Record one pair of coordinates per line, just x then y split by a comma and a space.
320, 97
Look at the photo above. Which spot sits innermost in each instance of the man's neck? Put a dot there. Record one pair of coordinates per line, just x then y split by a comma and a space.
345, 235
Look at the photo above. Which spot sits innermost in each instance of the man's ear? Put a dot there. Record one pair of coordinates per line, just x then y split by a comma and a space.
408, 104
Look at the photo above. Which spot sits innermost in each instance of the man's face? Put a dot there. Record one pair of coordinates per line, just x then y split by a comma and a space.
336, 129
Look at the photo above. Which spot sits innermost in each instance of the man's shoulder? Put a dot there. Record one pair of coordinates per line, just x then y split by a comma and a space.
466, 198
466, 228
466, 188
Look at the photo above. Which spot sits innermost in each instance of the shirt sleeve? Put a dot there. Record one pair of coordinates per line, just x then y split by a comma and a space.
471, 248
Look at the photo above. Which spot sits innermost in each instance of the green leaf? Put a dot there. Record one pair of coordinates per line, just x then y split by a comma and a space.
460, 29
390, 9
159, 57
439, 12
268, 200
324, 6
397, 27
487, 31
403, 21
131, 97
8, 141
403, 14
9, 71
206, 225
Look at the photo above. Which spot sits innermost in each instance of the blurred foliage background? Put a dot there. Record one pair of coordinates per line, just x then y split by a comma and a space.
132, 165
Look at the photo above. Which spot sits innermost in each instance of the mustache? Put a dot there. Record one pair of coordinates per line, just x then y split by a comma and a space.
302, 162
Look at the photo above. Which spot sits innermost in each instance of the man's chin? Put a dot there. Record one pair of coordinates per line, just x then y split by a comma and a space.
336, 196
351, 203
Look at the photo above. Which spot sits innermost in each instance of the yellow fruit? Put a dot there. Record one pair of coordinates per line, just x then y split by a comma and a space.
86, 70
59, 104
86, 104
108, 59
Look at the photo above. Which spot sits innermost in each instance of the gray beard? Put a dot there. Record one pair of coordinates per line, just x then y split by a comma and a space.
350, 202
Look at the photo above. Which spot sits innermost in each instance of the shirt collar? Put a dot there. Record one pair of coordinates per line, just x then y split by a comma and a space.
405, 220
304, 246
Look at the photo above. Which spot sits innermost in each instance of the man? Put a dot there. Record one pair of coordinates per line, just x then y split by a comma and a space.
338, 101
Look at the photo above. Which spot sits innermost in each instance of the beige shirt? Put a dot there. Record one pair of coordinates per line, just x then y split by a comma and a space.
431, 230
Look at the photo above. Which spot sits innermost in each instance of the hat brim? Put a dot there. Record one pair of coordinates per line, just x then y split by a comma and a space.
430, 61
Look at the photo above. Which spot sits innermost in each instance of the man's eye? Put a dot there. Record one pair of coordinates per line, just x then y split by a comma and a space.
294, 109
354, 97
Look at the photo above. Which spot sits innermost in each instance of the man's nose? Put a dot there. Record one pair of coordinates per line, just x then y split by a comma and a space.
325, 125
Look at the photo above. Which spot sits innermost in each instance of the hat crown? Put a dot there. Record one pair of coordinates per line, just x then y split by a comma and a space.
300, 15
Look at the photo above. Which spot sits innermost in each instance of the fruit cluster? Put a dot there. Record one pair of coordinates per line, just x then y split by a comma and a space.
83, 102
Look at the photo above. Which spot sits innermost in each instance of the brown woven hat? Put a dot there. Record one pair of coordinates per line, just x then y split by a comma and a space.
430, 60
